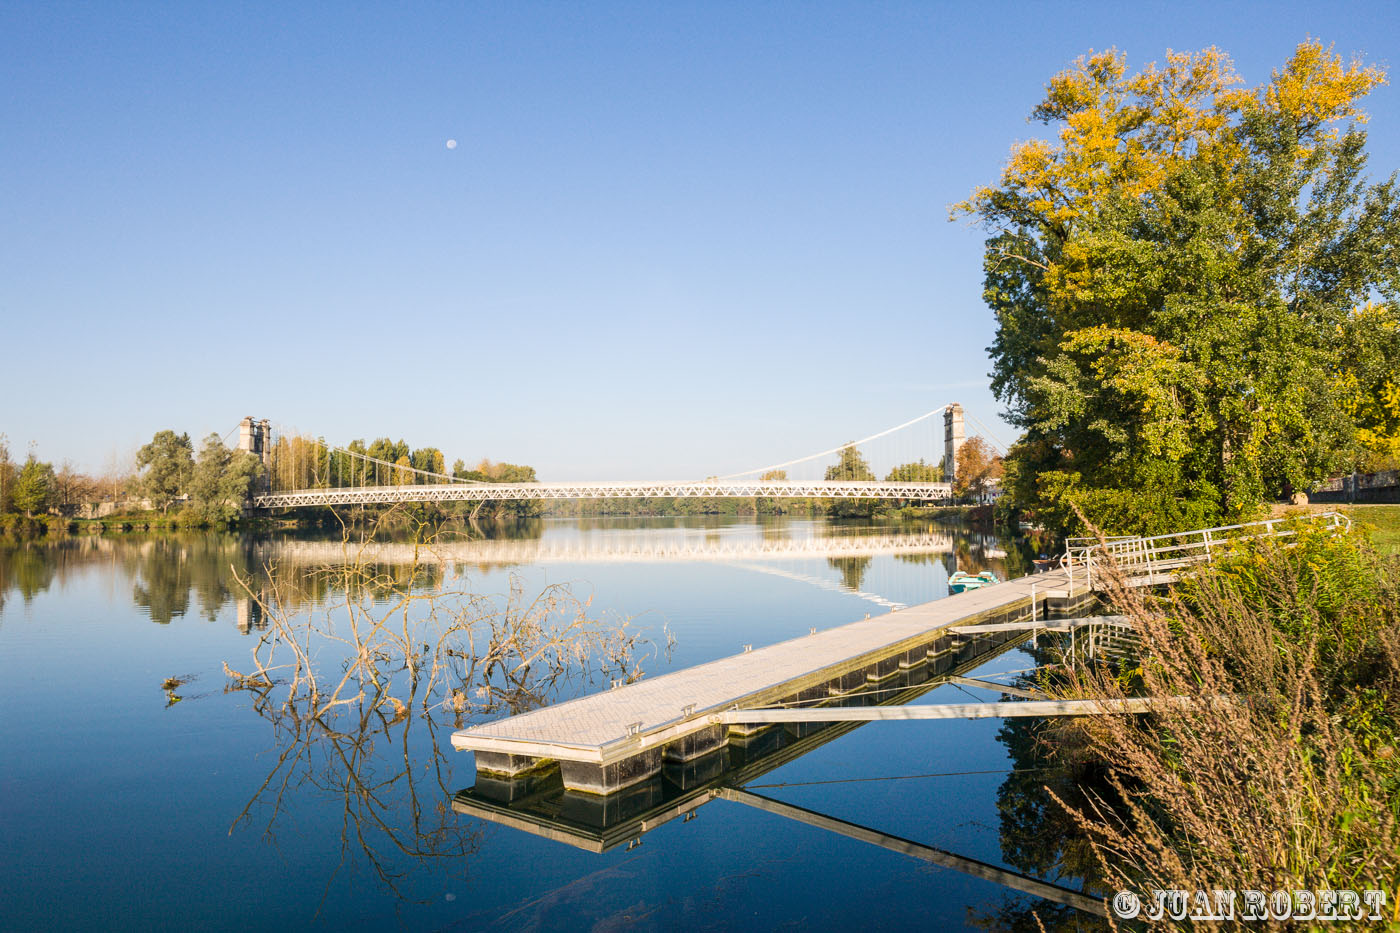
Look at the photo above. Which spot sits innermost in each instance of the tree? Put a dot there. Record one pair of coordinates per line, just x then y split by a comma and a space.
977, 466
851, 467
765, 505
917, 472
1174, 279
429, 460
222, 479
71, 488
241, 471
168, 462
206, 478
33, 487
8, 474
1371, 383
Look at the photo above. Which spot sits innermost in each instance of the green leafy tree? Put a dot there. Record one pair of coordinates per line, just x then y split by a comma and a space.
167, 463
207, 476
1174, 278
241, 472
916, 472
428, 459
771, 505
850, 466
359, 472
33, 487
222, 479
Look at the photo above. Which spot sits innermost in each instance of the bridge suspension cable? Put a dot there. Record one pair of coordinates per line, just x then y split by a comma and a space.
987, 432
834, 450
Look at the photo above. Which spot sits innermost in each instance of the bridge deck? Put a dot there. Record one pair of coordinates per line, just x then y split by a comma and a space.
622, 724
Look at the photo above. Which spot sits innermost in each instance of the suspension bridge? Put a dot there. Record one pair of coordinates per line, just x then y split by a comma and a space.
301, 471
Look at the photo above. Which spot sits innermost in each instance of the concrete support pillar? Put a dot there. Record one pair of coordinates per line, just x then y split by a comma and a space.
953, 437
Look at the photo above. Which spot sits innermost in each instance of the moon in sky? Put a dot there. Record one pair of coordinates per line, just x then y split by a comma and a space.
452, 144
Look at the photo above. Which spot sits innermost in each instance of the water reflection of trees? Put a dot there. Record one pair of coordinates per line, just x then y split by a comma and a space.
1038, 835
174, 575
852, 569
27, 571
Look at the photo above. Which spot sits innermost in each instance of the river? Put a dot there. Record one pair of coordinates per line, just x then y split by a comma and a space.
142, 788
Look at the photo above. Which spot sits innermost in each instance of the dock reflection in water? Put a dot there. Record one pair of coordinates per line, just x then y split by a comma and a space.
538, 803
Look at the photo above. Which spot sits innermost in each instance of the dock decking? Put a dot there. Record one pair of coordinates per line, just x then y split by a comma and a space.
610, 740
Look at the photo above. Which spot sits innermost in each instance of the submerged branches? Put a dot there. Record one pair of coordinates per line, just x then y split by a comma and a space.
382, 631
384, 770
358, 686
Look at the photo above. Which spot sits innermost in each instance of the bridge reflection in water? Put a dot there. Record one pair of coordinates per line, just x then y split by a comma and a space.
626, 545
775, 550
538, 803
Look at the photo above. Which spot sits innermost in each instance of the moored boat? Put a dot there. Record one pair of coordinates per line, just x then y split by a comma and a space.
961, 582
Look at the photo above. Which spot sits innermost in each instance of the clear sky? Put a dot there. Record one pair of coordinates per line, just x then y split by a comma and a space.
672, 239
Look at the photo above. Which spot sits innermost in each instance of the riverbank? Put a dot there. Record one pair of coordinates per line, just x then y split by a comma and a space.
1297, 787
25, 528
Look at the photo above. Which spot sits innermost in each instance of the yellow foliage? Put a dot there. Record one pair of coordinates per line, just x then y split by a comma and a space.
1123, 133
1316, 88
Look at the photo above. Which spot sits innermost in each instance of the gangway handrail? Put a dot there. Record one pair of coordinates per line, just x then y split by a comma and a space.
1175, 550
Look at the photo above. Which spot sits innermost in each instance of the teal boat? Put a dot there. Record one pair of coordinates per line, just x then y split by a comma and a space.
960, 581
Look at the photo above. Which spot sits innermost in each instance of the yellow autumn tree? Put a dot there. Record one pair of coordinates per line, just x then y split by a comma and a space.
1213, 238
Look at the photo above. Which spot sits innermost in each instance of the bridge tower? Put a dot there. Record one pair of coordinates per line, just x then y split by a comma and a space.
953, 438
255, 437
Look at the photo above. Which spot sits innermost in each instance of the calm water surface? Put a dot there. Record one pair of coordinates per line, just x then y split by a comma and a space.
123, 805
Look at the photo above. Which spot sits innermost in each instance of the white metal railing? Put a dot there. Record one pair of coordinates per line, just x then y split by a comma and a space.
1162, 555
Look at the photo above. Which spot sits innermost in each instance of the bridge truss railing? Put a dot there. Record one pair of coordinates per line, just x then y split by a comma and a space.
1158, 558
485, 492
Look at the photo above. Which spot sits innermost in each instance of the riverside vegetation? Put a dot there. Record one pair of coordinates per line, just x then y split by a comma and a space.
1294, 783
172, 487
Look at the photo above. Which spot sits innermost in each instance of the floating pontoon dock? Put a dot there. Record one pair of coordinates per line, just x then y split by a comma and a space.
612, 740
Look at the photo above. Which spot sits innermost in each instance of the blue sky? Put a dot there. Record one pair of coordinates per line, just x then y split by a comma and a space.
673, 239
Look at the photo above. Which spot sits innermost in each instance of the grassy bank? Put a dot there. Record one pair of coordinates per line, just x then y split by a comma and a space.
1384, 521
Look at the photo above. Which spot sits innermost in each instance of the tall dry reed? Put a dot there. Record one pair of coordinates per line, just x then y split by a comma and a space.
1295, 785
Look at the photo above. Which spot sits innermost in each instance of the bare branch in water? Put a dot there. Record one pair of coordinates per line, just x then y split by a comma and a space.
379, 655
